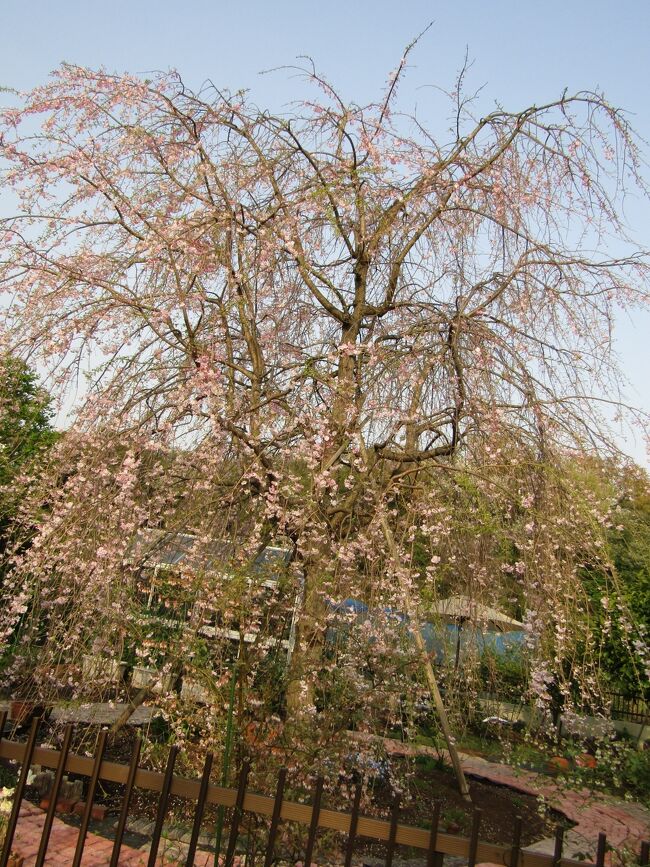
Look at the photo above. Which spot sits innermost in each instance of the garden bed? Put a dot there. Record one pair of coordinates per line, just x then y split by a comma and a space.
499, 806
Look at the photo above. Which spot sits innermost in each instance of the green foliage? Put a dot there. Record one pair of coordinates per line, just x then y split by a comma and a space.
25, 418
630, 549
527, 754
201, 656
159, 730
157, 639
25, 432
8, 777
428, 764
620, 596
620, 769
505, 673
270, 681
635, 773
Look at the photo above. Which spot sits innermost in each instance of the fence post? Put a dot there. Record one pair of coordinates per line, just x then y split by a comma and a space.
54, 796
90, 797
354, 821
516, 843
313, 825
237, 813
162, 806
644, 858
559, 843
126, 800
200, 807
394, 815
473, 840
434, 858
20, 790
275, 818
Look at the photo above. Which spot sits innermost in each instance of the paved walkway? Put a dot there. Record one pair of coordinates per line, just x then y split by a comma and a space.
625, 823
97, 851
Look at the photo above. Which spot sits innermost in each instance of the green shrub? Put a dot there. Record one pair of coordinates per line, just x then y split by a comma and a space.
635, 773
504, 674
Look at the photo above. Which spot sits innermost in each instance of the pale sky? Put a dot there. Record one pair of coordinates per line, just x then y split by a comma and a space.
522, 53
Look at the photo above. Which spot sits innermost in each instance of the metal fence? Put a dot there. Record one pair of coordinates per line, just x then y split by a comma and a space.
623, 707
433, 844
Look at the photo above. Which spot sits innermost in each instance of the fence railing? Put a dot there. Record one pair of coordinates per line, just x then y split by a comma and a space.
616, 705
314, 816
629, 709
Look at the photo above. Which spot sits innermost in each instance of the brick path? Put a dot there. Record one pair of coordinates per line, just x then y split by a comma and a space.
625, 823
97, 851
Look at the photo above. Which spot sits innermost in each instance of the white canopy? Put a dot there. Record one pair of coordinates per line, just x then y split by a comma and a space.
463, 608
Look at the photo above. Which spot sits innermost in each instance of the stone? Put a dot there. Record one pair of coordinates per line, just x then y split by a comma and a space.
42, 781
141, 826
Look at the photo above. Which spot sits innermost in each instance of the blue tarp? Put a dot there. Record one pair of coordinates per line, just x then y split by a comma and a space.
441, 640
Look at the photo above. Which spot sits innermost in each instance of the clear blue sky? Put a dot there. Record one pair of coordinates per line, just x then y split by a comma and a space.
523, 53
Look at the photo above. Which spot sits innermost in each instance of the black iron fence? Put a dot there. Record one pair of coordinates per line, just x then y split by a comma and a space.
433, 844
635, 709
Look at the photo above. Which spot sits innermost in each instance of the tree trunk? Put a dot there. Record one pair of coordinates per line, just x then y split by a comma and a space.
308, 647
130, 709
411, 610
440, 708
